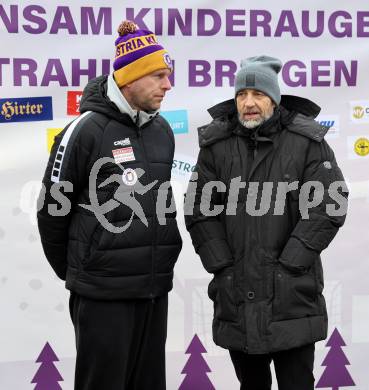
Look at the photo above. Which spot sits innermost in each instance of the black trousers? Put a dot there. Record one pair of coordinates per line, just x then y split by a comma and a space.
120, 344
293, 368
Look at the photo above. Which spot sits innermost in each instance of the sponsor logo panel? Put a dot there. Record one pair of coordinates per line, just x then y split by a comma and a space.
182, 167
73, 101
178, 120
50, 137
333, 122
358, 147
28, 109
361, 146
359, 111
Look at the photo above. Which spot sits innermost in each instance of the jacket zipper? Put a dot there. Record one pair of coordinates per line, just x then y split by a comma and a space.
251, 154
153, 250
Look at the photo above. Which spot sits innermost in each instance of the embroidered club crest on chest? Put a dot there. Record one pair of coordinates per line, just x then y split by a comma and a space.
129, 177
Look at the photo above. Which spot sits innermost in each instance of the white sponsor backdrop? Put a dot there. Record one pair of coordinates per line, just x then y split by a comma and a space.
47, 37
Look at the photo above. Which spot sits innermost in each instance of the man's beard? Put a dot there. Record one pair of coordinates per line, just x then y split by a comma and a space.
252, 123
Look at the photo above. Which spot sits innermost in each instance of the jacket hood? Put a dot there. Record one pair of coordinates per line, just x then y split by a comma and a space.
296, 114
95, 99
290, 102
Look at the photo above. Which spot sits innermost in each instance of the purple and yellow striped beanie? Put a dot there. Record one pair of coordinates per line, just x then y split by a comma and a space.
137, 54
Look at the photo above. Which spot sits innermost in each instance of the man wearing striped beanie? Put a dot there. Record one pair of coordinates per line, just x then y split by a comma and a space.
115, 256
141, 67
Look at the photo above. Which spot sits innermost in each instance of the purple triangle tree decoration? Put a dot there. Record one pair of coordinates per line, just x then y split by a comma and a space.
196, 368
335, 374
47, 376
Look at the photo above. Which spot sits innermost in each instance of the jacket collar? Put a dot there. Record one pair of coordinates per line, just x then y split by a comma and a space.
266, 129
114, 94
295, 113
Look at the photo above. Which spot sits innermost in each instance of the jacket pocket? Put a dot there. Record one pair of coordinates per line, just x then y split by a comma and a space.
295, 293
93, 244
221, 291
93, 228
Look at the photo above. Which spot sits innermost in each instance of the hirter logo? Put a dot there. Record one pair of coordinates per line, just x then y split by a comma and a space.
26, 109
74, 99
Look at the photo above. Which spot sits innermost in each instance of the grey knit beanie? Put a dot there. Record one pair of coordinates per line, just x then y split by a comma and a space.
261, 73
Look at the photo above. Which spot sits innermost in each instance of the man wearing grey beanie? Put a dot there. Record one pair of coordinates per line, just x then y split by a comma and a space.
263, 245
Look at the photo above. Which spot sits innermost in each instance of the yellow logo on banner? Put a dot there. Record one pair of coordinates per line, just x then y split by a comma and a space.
358, 112
51, 134
362, 147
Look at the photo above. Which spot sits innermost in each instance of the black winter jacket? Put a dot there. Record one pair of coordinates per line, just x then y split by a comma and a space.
95, 262
268, 283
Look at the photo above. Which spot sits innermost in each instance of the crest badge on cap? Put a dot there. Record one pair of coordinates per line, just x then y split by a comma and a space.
168, 60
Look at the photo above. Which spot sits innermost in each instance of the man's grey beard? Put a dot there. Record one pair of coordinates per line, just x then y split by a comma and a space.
252, 123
